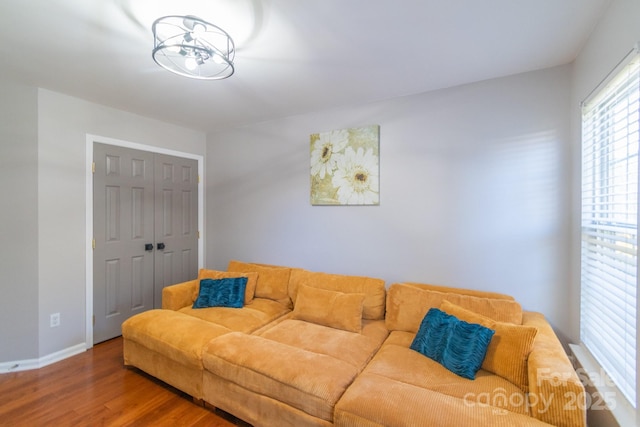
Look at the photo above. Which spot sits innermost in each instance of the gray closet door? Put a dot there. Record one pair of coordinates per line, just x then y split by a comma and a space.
176, 222
145, 209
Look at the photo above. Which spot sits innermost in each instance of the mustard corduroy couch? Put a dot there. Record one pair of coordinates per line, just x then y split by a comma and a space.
317, 349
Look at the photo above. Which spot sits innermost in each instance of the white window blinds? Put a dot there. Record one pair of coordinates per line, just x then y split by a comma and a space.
609, 253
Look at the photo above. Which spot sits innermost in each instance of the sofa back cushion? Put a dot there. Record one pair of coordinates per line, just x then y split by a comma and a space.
407, 304
329, 308
470, 292
273, 282
373, 289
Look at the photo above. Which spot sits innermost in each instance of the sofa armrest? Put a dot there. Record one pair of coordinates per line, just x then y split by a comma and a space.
556, 394
178, 296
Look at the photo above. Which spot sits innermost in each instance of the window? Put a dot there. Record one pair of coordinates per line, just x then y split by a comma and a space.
609, 251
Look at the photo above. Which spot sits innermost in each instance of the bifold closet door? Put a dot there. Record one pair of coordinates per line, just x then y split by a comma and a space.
176, 222
145, 209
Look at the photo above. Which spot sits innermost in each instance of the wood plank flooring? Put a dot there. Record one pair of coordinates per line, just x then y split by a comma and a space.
96, 389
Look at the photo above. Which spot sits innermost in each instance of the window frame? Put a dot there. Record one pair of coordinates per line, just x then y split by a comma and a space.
615, 399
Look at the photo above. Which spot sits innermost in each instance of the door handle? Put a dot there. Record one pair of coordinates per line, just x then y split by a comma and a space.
160, 246
148, 247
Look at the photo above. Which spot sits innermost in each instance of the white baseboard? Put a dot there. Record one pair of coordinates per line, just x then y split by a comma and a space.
25, 365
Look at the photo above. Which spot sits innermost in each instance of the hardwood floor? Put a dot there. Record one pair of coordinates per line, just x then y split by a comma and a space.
95, 389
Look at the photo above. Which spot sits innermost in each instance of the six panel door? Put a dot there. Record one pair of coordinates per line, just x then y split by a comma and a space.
176, 222
145, 231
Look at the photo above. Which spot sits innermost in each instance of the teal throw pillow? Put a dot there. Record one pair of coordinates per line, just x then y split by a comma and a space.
227, 292
457, 345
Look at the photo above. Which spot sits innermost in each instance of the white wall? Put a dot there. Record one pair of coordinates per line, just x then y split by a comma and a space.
18, 222
473, 192
63, 123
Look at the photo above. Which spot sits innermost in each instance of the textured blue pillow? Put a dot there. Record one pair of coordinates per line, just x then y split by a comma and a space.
228, 292
455, 344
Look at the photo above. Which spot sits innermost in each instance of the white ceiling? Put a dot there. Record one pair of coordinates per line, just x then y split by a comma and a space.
294, 56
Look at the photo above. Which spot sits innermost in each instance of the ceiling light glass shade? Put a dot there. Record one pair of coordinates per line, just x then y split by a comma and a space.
191, 47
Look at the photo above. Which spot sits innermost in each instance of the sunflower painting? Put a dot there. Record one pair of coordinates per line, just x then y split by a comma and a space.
344, 167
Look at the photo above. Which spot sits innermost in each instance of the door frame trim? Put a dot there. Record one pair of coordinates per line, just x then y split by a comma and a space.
90, 140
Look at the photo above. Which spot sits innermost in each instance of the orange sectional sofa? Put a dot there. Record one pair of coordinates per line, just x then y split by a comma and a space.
316, 349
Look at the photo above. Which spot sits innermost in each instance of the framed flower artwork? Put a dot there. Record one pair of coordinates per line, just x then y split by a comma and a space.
345, 167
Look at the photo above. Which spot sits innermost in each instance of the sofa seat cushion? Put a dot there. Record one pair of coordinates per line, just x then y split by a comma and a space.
352, 348
247, 319
305, 380
377, 401
173, 334
398, 362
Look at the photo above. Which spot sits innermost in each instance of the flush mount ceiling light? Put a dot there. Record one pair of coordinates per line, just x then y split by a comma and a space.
192, 47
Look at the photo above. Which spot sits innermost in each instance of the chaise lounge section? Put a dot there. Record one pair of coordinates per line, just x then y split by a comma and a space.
294, 371
317, 349
536, 385
168, 343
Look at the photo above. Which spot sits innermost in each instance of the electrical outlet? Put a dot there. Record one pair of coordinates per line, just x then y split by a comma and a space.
54, 320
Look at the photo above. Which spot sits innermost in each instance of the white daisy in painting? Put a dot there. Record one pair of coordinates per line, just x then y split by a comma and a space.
324, 151
356, 177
